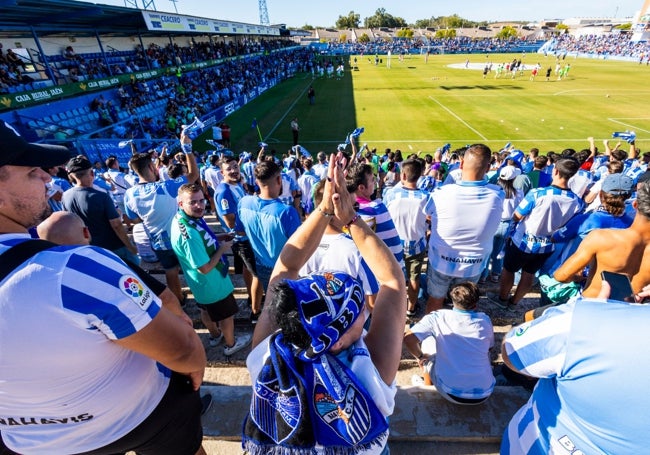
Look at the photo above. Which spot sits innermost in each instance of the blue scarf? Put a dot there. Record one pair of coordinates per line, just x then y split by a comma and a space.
305, 397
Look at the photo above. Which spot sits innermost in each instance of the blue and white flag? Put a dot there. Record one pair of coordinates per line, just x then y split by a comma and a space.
356, 133
123, 144
214, 144
302, 150
627, 136
194, 129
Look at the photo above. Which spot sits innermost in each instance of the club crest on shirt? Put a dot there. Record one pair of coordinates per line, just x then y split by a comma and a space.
133, 288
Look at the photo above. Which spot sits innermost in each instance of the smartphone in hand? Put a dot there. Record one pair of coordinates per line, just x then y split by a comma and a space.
620, 284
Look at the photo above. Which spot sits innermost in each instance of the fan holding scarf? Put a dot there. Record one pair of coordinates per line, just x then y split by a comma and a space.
321, 383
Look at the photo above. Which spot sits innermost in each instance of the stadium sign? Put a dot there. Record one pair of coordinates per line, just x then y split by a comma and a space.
178, 23
48, 94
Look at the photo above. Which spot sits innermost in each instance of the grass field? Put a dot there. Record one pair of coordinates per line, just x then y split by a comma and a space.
417, 107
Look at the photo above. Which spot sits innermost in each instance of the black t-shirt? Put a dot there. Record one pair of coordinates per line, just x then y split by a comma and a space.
96, 209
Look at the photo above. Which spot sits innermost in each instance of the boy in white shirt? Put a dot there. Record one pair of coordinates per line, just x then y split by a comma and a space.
453, 346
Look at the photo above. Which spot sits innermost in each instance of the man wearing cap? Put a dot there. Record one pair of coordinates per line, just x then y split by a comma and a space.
542, 212
153, 201
322, 383
91, 360
611, 214
624, 251
97, 211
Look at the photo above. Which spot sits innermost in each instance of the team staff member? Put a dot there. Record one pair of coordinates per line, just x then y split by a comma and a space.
95, 373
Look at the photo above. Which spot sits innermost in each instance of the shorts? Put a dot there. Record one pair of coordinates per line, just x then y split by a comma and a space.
167, 259
438, 284
223, 309
515, 260
243, 256
413, 265
173, 428
264, 275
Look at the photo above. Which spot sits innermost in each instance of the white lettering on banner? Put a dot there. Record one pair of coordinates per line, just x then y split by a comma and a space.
40, 95
229, 108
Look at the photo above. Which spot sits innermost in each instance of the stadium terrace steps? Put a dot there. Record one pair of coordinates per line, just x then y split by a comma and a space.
420, 415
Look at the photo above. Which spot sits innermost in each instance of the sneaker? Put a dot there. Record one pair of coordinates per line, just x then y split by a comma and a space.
417, 380
494, 298
240, 342
206, 402
212, 341
254, 317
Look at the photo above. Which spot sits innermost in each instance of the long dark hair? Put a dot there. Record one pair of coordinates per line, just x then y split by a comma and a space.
508, 187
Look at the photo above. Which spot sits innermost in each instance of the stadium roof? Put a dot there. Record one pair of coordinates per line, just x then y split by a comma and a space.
20, 18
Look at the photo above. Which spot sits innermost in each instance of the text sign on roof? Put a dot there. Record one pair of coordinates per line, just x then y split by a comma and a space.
175, 22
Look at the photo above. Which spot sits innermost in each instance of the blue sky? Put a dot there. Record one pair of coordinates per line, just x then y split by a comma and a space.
296, 13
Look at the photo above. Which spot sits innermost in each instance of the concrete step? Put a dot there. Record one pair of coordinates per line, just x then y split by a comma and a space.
421, 414
221, 447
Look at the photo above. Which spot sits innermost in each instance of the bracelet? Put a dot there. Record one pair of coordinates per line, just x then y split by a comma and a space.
324, 213
347, 226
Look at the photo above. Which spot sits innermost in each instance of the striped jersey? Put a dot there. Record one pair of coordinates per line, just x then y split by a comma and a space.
544, 211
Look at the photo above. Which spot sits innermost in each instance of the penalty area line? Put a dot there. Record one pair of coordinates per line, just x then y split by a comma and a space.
458, 118
636, 128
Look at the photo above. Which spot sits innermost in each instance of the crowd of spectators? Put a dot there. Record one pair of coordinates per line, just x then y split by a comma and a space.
619, 45
461, 44
12, 67
194, 93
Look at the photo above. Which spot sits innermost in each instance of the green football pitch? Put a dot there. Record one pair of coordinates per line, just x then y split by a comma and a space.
418, 106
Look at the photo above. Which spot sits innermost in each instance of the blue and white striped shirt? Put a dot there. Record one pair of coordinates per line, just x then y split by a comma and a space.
544, 211
409, 210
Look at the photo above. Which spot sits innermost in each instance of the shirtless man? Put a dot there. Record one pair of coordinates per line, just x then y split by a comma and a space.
624, 251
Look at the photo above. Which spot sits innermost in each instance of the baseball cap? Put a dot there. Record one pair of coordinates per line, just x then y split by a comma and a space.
509, 173
617, 184
16, 151
78, 163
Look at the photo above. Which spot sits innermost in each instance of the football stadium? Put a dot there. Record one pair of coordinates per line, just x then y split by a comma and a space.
369, 239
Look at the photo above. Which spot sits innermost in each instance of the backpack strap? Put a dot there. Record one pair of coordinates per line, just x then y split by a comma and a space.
17, 254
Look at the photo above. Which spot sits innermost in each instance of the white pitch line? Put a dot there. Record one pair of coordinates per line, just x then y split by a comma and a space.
628, 125
443, 140
457, 117
281, 119
596, 91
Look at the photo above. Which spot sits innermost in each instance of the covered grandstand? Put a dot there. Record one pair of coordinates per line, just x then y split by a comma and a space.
90, 75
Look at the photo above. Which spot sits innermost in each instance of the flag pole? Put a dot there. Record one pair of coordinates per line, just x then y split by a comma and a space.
257, 126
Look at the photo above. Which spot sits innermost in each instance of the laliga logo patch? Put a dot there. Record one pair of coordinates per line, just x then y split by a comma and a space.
132, 287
